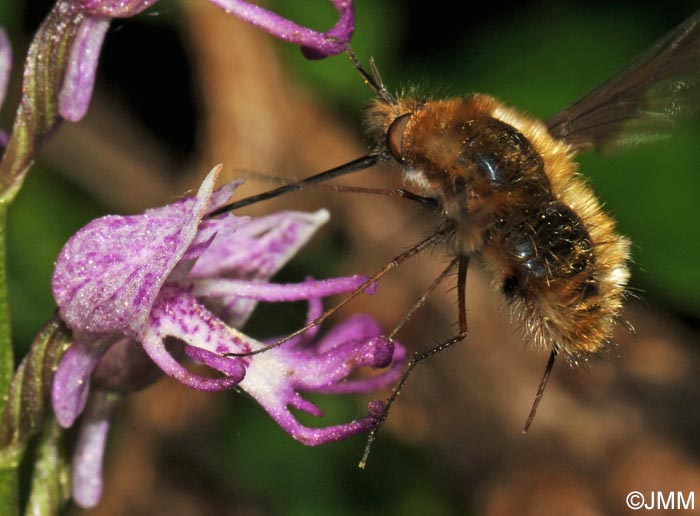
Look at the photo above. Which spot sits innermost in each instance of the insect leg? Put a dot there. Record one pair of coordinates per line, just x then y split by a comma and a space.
419, 356
540, 389
416, 249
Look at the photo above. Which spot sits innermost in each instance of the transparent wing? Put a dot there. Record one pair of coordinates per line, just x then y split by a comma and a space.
641, 102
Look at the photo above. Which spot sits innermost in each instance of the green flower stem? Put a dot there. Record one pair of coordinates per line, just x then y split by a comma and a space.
9, 492
8, 477
6, 353
50, 480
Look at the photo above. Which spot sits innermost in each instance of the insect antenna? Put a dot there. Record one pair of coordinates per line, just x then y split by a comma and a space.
413, 251
540, 389
463, 262
373, 80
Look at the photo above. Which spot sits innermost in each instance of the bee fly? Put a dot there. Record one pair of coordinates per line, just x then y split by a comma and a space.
504, 186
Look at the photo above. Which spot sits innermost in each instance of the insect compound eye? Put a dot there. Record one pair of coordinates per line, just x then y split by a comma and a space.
394, 136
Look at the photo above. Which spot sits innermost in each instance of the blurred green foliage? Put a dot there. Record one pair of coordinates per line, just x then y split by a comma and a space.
539, 58
297, 480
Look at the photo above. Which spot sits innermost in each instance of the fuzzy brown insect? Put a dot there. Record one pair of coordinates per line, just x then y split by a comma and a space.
509, 192
505, 186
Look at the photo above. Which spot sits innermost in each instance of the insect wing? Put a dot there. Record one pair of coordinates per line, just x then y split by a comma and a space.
641, 102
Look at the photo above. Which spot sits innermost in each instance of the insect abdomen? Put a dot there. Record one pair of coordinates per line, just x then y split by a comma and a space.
550, 245
564, 284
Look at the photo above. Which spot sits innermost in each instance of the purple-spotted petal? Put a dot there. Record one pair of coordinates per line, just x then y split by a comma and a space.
232, 367
376, 382
276, 377
178, 314
89, 450
324, 370
208, 230
109, 273
367, 327
71, 382
315, 44
255, 251
260, 248
79, 80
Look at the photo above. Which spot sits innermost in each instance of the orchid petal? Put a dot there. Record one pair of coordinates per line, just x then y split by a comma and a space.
315, 311
300, 403
208, 230
318, 436
276, 292
359, 326
371, 383
109, 273
354, 326
331, 367
260, 248
221, 196
79, 80
315, 44
255, 251
232, 367
177, 314
89, 450
155, 347
71, 382
5, 64
115, 8
274, 378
